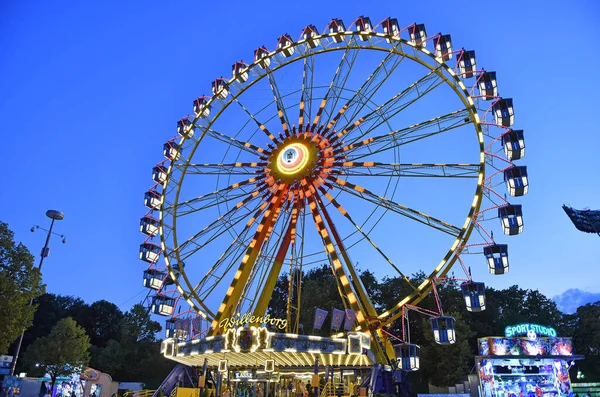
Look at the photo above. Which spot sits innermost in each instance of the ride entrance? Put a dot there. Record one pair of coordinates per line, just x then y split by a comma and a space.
370, 144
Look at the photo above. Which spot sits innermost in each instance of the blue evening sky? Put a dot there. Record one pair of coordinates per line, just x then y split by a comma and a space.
91, 90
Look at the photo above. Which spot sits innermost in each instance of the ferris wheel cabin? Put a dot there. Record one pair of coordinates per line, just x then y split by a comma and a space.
219, 88
496, 256
513, 142
261, 56
418, 35
407, 356
171, 150
309, 33
337, 29
443, 330
239, 71
184, 128
363, 25
152, 199
516, 180
503, 112
511, 217
153, 278
486, 83
149, 252
201, 107
466, 64
443, 47
170, 327
474, 295
159, 173
163, 305
390, 27
285, 45
149, 226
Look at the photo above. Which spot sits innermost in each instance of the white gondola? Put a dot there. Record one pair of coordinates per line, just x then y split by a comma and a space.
261, 56
466, 64
496, 256
487, 85
443, 47
171, 150
159, 174
149, 226
513, 142
163, 305
363, 25
390, 28
516, 180
407, 356
184, 128
239, 70
309, 33
337, 29
219, 88
201, 107
153, 278
504, 113
152, 199
511, 217
150, 252
285, 44
418, 35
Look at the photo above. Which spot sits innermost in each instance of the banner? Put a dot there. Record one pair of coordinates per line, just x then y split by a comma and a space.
320, 316
337, 318
182, 328
197, 325
350, 319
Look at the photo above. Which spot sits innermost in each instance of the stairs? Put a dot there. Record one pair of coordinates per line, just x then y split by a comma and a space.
169, 385
334, 390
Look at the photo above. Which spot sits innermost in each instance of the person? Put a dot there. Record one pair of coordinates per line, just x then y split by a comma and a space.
309, 389
290, 388
300, 389
588, 394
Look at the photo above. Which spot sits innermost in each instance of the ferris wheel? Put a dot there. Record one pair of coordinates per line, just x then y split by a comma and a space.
373, 144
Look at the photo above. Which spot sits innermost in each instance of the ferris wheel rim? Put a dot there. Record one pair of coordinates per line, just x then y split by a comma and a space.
467, 228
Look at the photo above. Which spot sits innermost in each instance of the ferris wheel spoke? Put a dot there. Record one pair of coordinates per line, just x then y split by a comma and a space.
394, 139
260, 125
410, 213
369, 168
213, 198
281, 112
226, 169
336, 87
369, 88
246, 146
394, 105
306, 96
346, 215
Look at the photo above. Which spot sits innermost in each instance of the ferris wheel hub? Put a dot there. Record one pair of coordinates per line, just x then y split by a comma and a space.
294, 159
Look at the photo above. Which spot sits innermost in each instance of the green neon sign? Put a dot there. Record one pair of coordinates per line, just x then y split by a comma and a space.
529, 330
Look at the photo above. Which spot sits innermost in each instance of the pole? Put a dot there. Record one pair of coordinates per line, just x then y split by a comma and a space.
44, 254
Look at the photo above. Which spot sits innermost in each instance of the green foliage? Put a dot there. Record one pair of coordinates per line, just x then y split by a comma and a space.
20, 282
63, 351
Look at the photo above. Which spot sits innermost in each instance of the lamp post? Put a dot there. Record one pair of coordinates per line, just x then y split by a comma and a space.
55, 216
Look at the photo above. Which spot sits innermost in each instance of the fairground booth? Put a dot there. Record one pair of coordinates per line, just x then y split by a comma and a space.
529, 361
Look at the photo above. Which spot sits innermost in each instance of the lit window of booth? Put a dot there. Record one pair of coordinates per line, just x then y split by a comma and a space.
516, 180
407, 356
153, 278
149, 252
513, 142
474, 295
486, 83
466, 64
511, 217
418, 35
443, 330
496, 256
336, 28
504, 113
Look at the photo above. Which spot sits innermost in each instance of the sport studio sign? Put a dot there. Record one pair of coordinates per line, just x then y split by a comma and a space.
531, 330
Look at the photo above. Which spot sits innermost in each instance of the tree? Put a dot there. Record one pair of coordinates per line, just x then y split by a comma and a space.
20, 282
586, 337
102, 322
63, 351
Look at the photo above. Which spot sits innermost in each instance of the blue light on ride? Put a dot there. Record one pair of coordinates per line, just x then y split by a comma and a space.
407, 356
496, 256
504, 113
443, 330
163, 305
487, 85
513, 142
474, 294
466, 64
149, 252
516, 180
153, 278
511, 217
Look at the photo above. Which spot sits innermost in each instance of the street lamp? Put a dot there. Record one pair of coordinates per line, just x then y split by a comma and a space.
55, 216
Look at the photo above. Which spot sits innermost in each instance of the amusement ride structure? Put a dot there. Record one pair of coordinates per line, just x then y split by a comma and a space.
308, 155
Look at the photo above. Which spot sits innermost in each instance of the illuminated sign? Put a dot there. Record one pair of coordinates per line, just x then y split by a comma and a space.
246, 319
531, 330
243, 375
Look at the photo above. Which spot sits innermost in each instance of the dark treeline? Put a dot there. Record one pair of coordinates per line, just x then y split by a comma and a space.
124, 344
447, 365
